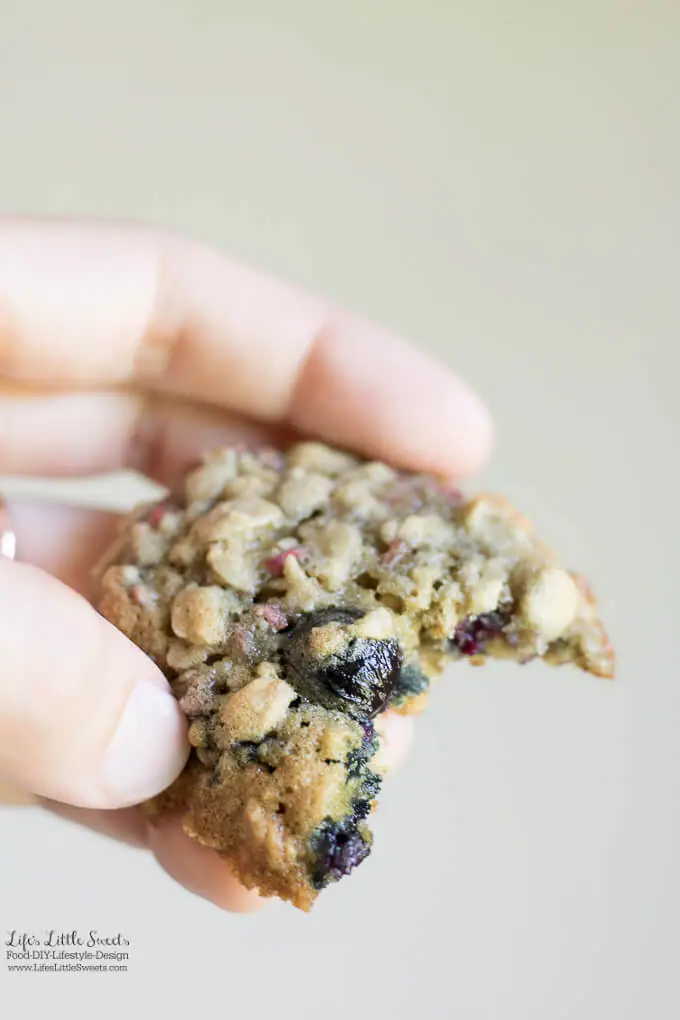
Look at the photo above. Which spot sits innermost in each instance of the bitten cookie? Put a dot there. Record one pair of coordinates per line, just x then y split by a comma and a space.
290, 598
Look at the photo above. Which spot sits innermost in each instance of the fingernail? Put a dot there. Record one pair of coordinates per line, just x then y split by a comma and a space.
149, 748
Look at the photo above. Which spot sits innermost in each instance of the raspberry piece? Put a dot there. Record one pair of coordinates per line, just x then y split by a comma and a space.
275, 563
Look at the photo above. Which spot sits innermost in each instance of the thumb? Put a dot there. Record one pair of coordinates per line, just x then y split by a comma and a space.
85, 716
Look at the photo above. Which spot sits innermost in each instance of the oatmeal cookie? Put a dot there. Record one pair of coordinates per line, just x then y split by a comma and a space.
291, 597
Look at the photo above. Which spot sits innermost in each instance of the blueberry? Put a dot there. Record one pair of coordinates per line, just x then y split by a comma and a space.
337, 848
361, 808
363, 678
472, 633
358, 679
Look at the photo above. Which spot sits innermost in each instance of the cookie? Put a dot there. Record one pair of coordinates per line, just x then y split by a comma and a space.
290, 598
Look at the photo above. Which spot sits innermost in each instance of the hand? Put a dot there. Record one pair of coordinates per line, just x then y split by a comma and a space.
130, 348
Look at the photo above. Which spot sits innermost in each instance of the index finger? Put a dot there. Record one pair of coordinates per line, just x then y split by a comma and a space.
92, 305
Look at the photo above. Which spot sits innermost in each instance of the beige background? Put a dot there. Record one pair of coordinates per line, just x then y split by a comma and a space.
500, 182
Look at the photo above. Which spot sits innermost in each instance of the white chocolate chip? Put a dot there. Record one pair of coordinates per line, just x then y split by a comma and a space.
256, 709
497, 525
483, 512
237, 517
378, 624
550, 603
337, 741
328, 795
184, 552
127, 575
149, 546
425, 530
329, 639
208, 480
374, 473
181, 656
302, 493
200, 614
356, 495
260, 822
233, 565
248, 487
302, 592
318, 457
423, 577
340, 544
389, 530
484, 581
485, 596
170, 523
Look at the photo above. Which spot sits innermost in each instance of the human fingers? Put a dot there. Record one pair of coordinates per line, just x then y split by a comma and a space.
11, 796
64, 541
85, 716
198, 868
88, 305
127, 825
87, 432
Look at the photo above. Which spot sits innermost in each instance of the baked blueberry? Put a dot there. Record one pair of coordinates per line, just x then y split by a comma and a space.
472, 634
337, 848
330, 665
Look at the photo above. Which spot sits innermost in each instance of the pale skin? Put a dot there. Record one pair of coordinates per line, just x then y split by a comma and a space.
129, 347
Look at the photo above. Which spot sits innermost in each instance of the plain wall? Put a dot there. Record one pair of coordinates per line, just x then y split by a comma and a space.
500, 183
